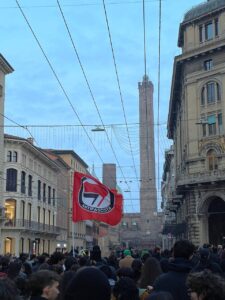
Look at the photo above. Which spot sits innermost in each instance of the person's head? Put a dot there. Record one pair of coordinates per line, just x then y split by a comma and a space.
27, 269
14, 269
206, 286
145, 255
44, 283
88, 283
150, 271
136, 267
56, 258
160, 296
127, 252
96, 253
8, 290
183, 249
125, 272
125, 289
69, 262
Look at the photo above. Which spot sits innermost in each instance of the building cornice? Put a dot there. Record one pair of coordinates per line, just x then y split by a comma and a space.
5, 67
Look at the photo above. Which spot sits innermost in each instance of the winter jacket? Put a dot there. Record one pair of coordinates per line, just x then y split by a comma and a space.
174, 281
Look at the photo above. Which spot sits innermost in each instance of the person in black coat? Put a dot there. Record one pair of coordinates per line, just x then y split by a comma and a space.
174, 281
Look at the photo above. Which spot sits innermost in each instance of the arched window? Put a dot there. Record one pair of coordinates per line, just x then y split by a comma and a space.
11, 180
210, 93
212, 160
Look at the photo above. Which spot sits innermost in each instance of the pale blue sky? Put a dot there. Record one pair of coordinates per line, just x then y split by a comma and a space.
33, 96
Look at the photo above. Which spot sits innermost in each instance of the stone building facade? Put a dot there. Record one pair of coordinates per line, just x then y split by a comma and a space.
5, 69
30, 199
196, 124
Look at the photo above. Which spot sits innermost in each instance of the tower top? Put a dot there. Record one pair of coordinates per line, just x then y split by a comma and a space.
145, 78
145, 82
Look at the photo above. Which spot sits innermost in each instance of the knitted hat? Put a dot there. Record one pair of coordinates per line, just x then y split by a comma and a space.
88, 283
127, 252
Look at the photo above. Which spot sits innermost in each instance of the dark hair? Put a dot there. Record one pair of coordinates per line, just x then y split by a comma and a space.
183, 248
136, 267
14, 269
39, 280
125, 272
8, 290
150, 271
88, 283
125, 289
69, 262
160, 296
55, 258
27, 268
210, 286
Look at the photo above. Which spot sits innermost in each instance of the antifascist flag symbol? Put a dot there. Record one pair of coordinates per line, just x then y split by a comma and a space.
93, 200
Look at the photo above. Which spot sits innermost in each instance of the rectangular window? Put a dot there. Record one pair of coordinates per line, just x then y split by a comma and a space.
216, 27
39, 189
9, 156
14, 158
211, 125
49, 195
23, 182
29, 213
30, 185
203, 129
44, 192
39, 214
218, 94
203, 96
208, 64
53, 197
43, 215
200, 34
11, 180
211, 92
220, 123
49, 217
208, 31
1, 90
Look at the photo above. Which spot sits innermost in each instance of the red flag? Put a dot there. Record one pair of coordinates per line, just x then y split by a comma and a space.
92, 200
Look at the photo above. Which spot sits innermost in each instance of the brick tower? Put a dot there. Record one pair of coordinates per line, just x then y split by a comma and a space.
148, 194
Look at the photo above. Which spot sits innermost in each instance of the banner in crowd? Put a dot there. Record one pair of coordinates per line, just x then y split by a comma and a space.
92, 200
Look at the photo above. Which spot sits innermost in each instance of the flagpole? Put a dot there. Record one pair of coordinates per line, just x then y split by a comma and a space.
73, 240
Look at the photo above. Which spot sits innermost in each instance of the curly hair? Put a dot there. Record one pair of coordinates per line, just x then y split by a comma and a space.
210, 286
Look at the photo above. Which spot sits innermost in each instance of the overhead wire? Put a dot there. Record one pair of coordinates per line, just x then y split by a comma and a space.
159, 87
88, 85
119, 85
58, 80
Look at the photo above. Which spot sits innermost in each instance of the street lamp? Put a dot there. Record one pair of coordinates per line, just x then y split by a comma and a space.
98, 129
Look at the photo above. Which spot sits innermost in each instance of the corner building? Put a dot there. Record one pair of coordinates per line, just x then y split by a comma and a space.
196, 124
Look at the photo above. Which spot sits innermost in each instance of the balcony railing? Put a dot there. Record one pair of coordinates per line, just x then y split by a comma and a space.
201, 177
23, 224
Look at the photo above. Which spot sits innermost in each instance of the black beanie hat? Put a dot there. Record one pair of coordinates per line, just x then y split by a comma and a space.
88, 283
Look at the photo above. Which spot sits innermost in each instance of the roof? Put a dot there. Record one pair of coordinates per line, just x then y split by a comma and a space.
33, 147
71, 152
5, 66
197, 12
202, 9
56, 158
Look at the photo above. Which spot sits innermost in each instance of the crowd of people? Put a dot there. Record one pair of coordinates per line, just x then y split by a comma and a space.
181, 273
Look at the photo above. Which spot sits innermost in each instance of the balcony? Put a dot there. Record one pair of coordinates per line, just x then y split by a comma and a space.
201, 178
28, 225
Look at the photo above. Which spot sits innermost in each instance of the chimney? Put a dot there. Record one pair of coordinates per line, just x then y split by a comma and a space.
30, 140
